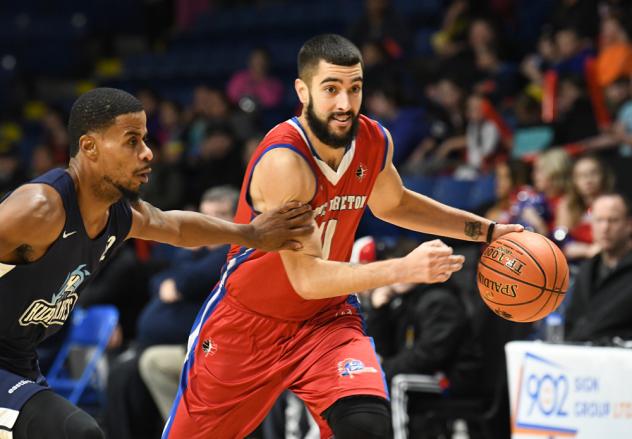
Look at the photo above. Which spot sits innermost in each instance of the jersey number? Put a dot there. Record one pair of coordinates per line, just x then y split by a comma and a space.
327, 231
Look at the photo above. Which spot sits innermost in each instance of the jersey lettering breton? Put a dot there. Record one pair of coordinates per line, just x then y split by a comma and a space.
38, 297
260, 283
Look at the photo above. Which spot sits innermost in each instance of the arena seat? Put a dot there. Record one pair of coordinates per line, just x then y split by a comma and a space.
91, 329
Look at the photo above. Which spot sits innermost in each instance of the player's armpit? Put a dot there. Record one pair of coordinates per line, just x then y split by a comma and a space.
32, 215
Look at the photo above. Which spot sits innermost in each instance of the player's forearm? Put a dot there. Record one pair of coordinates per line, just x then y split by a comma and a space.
194, 229
422, 214
315, 278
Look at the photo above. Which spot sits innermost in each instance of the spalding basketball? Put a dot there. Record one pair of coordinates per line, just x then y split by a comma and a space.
522, 276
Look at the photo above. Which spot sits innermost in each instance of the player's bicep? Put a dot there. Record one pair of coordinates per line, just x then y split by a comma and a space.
388, 189
32, 215
282, 176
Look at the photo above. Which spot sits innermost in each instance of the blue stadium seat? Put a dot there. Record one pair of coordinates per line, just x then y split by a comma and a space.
483, 192
91, 330
453, 192
420, 184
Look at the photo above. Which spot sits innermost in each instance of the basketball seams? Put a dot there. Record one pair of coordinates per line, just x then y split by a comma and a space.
542, 290
537, 263
546, 241
520, 280
533, 306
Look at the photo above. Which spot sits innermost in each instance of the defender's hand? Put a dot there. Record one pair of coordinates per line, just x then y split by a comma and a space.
431, 262
278, 229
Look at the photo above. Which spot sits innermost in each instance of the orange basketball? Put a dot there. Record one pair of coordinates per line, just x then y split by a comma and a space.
522, 276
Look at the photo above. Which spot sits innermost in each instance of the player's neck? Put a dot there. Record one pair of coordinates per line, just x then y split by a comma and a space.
93, 206
331, 156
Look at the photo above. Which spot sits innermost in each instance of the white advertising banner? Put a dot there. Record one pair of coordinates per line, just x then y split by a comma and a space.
564, 391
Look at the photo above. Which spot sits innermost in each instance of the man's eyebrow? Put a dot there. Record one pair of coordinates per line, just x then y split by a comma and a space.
332, 79
134, 132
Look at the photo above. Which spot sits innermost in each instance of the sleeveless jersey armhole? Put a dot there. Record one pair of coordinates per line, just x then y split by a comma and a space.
265, 151
385, 145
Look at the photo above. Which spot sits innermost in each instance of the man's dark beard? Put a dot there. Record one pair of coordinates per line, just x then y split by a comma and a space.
322, 132
128, 194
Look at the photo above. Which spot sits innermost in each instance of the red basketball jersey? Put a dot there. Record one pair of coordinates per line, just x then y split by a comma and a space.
260, 283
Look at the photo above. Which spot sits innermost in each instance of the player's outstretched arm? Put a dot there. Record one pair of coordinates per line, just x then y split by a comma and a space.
281, 176
31, 218
275, 230
392, 202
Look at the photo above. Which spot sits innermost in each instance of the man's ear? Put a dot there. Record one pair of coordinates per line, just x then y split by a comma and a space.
302, 91
88, 144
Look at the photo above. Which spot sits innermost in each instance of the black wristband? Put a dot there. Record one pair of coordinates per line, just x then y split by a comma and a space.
490, 232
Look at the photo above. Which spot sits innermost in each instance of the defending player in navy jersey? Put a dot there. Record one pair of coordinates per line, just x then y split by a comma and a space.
58, 230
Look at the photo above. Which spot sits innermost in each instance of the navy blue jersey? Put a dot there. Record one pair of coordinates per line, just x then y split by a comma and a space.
37, 297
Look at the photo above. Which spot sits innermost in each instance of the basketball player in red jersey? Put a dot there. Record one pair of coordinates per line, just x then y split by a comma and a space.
286, 320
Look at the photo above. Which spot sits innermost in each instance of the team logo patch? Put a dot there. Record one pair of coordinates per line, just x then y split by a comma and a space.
361, 172
350, 367
55, 312
209, 347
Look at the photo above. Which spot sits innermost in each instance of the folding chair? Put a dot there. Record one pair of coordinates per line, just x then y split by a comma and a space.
90, 330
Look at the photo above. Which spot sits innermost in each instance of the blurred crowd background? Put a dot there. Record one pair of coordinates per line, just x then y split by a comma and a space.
520, 111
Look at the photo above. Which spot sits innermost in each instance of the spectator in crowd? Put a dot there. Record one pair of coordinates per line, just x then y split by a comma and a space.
445, 119
537, 208
42, 160
165, 189
170, 125
255, 83
177, 295
572, 52
601, 304
406, 123
218, 163
534, 65
380, 22
480, 143
590, 178
575, 120
55, 135
615, 53
511, 178
424, 329
150, 101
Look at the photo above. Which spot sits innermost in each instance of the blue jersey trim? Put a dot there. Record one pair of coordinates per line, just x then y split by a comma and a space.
385, 145
265, 151
216, 296
353, 301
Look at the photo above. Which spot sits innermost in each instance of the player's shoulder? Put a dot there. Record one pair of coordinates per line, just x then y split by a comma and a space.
37, 199
371, 128
284, 133
32, 206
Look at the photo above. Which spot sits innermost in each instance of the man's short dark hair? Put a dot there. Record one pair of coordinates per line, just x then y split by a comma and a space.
624, 199
96, 110
331, 48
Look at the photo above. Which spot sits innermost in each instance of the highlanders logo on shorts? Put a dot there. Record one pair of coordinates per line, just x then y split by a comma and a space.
350, 367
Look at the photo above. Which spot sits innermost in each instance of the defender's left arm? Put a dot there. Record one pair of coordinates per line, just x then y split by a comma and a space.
392, 202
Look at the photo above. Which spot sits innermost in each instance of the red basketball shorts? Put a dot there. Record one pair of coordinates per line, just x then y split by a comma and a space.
240, 363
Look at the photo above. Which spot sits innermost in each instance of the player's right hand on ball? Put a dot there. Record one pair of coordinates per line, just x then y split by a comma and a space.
431, 262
